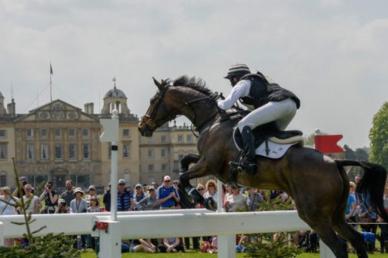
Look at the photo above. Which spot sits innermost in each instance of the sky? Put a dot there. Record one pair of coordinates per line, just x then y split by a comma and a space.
330, 53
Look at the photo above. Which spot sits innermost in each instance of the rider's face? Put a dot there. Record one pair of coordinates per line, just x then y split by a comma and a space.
233, 81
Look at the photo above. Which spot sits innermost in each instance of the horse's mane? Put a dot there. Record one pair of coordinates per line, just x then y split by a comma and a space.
192, 82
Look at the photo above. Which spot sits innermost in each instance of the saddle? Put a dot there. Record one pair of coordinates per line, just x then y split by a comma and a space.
269, 141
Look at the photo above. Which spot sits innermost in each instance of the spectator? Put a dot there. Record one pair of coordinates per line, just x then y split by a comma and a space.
68, 195
93, 207
351, 205
254, 199
23, 182
62, 207
124, 197
7, 202
139, 198
144, 245
78, 204
34, 203
175, 183
7, 207
168, 197
235, 201
201, 190
93, 204
50, 198
173, 245
151, 202
211, 190
106, 198
91, 193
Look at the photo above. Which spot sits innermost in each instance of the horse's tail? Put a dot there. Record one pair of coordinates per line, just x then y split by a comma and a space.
372, 184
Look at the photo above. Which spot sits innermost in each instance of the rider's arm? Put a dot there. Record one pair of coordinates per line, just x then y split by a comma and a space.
241, 89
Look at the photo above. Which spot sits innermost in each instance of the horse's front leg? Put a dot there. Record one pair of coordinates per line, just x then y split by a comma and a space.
197, 170
185, 163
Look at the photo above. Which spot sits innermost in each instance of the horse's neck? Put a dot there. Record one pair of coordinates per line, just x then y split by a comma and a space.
198, 109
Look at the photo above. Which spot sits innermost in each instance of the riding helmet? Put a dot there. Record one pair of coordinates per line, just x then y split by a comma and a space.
237, 70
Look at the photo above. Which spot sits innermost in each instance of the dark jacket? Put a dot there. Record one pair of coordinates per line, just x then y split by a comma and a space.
262, 92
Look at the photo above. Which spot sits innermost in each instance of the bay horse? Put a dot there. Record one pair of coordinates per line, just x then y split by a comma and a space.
318, 184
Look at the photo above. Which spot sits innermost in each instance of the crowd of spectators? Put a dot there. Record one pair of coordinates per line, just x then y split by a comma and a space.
161, 196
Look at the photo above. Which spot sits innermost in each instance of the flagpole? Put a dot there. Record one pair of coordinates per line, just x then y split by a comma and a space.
51, 83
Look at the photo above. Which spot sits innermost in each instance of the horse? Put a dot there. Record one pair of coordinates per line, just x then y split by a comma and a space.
317, 183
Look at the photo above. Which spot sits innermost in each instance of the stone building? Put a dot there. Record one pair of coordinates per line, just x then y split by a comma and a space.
58, 141
161, 153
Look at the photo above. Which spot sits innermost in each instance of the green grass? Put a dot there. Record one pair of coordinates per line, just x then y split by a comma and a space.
203, 255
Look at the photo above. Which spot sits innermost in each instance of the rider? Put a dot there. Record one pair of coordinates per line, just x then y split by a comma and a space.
268, 102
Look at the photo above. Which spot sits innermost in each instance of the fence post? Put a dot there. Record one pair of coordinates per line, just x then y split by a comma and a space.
110, 240
226, 245
325, 251
1, 234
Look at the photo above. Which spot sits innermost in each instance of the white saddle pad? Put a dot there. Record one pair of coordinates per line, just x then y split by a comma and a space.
275, 150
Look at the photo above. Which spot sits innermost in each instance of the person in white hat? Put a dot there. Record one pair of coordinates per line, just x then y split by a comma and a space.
168, 197
78, 204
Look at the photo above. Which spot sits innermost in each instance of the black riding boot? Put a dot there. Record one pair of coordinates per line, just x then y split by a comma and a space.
249, 163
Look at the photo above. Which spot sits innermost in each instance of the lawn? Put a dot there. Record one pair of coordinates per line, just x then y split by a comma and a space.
202, 255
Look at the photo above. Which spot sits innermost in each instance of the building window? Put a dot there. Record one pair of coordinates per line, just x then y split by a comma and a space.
43, 133
164, 167
3, 133
72, 151
30, 151
86, 151
150, 153
163, 152
3, 179
30, 133
163, 139
125, 150
109, 150
150, 167
180, 138
72, 132
58, 151
126, 132
3, 150
58, 132
189, 138
85, 132
44, 151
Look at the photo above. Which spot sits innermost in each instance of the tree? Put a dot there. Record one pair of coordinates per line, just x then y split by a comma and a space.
378, 136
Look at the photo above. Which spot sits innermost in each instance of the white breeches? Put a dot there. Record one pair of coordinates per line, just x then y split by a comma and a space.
281, 113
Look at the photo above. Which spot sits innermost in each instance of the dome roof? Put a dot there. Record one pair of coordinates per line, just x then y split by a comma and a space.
115, 93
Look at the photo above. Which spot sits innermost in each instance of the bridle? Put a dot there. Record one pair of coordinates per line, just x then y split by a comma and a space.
171, 116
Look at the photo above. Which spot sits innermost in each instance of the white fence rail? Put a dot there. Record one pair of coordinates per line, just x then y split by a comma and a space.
158, 224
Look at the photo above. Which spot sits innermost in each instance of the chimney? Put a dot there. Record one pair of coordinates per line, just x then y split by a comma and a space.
89, 108
11, 107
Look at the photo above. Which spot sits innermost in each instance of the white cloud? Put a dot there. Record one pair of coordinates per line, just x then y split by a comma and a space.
332, 55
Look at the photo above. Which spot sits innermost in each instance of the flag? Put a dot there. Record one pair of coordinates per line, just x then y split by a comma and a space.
328, 143
51, 70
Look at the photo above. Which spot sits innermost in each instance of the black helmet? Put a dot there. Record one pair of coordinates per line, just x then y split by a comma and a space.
237, 70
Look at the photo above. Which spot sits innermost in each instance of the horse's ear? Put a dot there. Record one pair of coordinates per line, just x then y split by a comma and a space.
158, 84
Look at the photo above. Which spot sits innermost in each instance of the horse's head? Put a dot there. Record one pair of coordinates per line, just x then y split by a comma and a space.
159, 111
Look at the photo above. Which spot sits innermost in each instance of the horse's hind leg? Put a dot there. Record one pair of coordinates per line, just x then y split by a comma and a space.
350, 234
328, 236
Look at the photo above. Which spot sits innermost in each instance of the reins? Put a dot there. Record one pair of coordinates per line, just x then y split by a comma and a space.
202, 125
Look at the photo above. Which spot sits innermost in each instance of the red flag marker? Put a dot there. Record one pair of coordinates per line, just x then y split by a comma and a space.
328, 143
